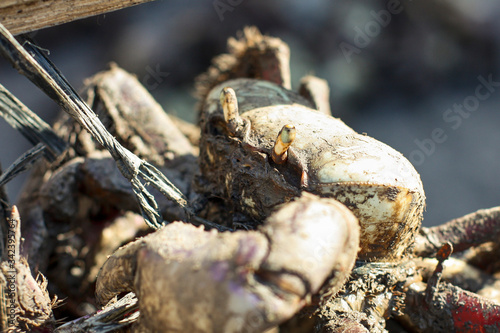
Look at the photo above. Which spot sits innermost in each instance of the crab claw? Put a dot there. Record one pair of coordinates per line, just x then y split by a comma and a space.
230, 108
285, 138
188, 279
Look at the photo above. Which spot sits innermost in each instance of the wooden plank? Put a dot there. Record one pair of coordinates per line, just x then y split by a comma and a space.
21, 16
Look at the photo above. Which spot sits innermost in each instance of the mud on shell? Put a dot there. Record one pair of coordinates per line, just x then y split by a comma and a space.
326, 157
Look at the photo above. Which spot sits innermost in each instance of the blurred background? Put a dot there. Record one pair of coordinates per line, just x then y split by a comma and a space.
420, 76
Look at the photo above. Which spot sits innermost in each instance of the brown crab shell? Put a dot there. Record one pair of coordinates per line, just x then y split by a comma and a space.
327, 158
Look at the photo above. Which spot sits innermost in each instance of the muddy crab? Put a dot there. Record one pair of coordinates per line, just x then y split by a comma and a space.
330, 217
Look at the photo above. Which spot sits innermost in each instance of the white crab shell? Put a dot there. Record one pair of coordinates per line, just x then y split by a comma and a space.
376, 182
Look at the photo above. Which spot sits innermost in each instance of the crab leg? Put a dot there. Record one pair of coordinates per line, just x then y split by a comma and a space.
455, 271
317, 91
452, 309
25, 305
443, 307
465, 232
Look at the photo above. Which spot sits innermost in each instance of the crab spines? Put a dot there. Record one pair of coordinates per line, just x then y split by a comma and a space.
285, 138
229, 105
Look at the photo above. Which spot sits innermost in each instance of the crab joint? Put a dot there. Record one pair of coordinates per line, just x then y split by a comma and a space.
283, 142
230, 107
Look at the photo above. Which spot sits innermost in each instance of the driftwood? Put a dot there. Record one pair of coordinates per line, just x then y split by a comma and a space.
22, 16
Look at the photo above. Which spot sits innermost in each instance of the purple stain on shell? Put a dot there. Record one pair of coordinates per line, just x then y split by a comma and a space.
247, 250
239, 290
219, 270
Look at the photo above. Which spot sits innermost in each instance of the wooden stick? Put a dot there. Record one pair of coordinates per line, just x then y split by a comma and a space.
112, 317
30, 125
21, 16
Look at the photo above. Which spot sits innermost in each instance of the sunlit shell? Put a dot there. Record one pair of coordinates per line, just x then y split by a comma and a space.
375, 181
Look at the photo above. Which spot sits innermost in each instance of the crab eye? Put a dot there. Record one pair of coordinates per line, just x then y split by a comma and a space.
230, 107
283, 142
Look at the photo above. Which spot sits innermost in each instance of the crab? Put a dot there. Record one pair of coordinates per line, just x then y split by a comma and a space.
331, 240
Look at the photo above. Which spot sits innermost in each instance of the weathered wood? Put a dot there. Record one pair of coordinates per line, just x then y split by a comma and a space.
21, 16
29, 124
114, 316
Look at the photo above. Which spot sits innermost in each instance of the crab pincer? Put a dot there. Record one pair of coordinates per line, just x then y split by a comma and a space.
192, 280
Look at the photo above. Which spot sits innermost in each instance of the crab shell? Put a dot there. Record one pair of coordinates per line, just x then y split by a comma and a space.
377, 183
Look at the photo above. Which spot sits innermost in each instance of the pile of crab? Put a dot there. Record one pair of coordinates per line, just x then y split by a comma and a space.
319, 226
